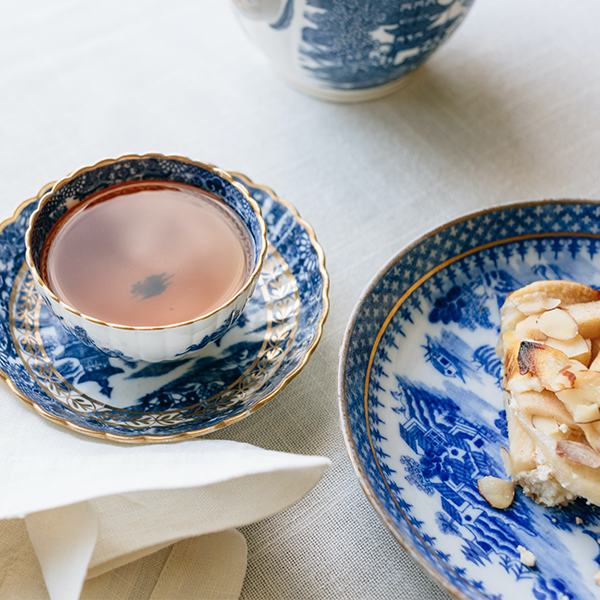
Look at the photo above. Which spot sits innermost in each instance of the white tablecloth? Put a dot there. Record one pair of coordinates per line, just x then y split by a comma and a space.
507, 110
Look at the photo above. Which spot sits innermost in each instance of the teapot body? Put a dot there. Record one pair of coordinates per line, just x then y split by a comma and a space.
349, 50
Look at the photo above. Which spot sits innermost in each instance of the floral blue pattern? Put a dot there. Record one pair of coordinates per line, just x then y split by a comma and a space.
86, 390
422, 410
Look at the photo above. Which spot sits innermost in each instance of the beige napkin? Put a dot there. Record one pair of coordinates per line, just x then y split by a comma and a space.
85, 508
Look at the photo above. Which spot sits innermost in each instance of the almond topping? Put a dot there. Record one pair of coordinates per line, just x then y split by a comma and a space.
505, 455
568, 292
531, 304
578, 453
558, 324
577, 347
528, 329
577, 367
549, 365
571, 397
546, 425
586, 413
498, 493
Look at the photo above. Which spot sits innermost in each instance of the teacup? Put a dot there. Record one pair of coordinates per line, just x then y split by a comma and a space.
147, 257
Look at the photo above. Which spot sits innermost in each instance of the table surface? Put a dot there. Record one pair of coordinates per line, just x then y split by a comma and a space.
507, 110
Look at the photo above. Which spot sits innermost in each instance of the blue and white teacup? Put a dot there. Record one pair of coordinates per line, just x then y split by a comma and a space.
152, 344
349, 50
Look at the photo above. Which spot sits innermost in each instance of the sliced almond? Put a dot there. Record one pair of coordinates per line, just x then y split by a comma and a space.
512, 346
536, 303
595, 364
544, 404
592, 434
576, 366
505, 456
590, 382
498, 493
586, 413
514, 381
558, 324
546, 425
577, 348
549, 365
578, 453
572, 397
528, 329
582, 397
567, 292
522, 448
510, 317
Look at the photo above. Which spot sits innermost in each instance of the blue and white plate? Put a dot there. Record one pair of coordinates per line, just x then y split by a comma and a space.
421, 402
83, 389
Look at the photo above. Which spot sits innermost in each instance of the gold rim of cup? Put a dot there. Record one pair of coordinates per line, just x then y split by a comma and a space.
207, 167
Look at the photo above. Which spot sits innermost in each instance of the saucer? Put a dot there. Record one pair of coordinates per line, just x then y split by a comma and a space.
422, 410
79, 387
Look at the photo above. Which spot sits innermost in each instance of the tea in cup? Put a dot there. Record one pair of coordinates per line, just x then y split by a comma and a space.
147, 257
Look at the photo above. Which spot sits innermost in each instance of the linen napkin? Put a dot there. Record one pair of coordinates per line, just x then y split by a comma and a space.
86, 508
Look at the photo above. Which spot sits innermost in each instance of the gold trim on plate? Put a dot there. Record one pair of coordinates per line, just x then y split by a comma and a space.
344, 420
282, 308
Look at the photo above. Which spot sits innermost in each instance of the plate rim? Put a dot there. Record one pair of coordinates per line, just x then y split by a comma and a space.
145, 439
405, 543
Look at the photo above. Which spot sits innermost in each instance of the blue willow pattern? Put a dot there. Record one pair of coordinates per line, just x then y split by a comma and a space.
434, 424
77, 385
352, 44
55, 358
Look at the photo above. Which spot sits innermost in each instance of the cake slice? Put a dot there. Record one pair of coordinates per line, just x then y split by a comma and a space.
550, 345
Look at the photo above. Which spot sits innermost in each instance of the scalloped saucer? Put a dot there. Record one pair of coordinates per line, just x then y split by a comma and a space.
78, 387
422, 411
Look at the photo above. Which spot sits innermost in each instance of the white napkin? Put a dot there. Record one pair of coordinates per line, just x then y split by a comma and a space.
90, 507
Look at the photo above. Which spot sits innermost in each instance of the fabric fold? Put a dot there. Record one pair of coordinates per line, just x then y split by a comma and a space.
210, 567
64, 540
235, 485
78, 471
134, 524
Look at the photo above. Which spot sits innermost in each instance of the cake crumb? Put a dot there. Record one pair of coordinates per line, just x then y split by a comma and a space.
579, 520
597, 577
527, 558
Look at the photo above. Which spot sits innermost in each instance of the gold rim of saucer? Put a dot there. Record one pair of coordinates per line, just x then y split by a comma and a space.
57, 185
144, 439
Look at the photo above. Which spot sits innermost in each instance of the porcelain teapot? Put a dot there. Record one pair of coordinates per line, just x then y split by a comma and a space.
349, 50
